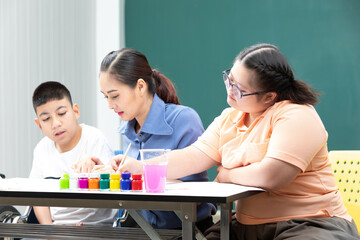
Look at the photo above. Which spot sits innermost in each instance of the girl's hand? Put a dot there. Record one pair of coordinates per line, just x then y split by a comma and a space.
223, 175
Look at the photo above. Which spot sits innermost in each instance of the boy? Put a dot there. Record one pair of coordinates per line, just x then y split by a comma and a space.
64, 143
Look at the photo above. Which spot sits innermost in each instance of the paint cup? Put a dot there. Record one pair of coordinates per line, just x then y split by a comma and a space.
114, 182
74, 181
64, 181
94, 181
155, 166
137, 182
125, 183
104, 181
83, 181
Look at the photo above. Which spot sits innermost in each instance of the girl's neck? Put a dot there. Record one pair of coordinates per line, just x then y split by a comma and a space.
250, 118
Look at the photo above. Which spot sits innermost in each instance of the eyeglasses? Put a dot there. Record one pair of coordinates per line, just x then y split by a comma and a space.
236, 90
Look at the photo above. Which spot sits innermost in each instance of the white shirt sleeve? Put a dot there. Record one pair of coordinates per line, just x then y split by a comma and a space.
98, 146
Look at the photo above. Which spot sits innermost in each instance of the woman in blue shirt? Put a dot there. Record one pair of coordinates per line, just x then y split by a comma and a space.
147, 103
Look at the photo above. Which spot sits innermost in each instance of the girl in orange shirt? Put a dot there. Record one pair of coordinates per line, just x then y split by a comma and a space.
271, 138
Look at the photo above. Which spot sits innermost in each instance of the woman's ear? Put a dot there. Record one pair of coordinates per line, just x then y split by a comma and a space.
141, 86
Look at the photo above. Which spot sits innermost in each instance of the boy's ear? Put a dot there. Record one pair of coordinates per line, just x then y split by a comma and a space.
37, 122
76, 111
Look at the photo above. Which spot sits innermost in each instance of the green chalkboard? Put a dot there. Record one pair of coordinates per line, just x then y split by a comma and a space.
192, 42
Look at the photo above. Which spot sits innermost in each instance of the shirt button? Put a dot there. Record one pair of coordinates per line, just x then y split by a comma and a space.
140, 135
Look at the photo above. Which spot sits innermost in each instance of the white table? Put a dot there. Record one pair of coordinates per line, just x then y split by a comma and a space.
182, 197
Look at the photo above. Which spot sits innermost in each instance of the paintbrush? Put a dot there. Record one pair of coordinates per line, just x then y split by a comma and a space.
124, 157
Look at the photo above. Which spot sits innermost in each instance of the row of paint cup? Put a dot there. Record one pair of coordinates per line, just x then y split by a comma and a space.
103, 181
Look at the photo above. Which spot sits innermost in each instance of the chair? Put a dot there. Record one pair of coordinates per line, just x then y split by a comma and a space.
7, 213
346, 167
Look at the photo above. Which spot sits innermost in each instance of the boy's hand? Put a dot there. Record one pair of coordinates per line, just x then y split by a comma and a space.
130, 165
102, 169
86, 164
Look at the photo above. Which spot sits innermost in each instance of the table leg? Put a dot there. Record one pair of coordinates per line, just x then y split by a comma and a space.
148, 229
225, 220
198, 234
188, 211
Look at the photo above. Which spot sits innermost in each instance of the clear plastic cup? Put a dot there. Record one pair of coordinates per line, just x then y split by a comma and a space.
155, 167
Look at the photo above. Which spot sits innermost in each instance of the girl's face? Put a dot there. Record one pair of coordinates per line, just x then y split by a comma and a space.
124, 100
252, 104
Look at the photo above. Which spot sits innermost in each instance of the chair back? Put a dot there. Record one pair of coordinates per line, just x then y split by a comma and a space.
346, 167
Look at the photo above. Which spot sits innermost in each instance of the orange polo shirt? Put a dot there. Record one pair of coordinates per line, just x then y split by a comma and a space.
288, 132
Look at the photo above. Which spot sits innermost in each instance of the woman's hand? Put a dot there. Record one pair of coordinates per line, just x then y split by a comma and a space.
130, 165
86, 164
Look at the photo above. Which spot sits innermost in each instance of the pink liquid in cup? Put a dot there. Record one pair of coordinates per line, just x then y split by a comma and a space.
155, 178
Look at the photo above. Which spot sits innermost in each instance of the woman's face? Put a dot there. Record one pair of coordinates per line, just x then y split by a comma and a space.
243, 77
121, 98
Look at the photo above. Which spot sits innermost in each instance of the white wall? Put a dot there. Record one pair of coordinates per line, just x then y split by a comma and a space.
60, 40
110, 29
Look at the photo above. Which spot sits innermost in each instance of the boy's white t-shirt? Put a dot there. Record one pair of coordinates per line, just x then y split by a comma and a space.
48, 162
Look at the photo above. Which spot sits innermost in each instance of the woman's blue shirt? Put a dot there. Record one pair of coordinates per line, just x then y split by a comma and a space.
167, 126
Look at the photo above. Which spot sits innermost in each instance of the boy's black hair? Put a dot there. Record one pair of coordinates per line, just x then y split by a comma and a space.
48, 91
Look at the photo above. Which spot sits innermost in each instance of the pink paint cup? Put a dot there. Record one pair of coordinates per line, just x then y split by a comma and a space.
155, 166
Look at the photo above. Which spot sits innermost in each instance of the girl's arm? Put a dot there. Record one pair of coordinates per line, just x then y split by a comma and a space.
187, 161
269, 174
182, 162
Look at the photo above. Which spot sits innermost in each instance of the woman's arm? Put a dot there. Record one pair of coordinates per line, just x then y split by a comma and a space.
269, 174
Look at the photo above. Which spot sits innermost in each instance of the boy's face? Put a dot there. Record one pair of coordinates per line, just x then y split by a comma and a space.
57, 119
